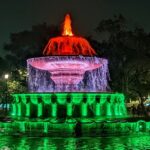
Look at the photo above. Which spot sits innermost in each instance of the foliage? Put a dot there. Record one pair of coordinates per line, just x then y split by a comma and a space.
17, 82
28, 44
128, 53
24, 45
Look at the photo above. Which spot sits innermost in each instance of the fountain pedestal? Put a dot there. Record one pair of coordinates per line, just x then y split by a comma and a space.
75, 105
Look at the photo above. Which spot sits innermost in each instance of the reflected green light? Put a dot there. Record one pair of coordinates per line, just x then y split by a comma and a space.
137, 141
68, 128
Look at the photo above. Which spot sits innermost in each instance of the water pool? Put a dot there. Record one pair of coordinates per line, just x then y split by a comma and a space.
139, 141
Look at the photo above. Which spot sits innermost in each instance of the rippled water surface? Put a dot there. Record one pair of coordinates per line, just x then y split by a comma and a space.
138, 141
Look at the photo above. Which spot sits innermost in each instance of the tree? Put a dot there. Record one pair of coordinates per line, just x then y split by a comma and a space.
3, 66
18, 81
28, 44
24, 45
128, 53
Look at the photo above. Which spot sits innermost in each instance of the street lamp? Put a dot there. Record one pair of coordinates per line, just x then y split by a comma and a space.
6, 76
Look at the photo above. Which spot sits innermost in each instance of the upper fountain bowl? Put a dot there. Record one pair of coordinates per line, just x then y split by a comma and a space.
66, 69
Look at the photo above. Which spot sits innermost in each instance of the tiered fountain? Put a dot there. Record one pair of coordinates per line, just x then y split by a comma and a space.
74, 80
67, 87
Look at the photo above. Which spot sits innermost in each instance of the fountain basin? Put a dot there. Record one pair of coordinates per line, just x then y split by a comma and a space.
66, 69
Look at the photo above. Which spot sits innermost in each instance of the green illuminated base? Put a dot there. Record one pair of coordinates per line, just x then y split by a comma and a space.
67, 114
68, 105
46, 128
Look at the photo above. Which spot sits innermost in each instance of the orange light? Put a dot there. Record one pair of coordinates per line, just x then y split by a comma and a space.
67, 30
68, 44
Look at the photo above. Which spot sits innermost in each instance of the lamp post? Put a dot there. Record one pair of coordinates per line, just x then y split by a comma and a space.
6, 77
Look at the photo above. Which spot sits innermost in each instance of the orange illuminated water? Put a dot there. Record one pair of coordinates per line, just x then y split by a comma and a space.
67, 30
68, 44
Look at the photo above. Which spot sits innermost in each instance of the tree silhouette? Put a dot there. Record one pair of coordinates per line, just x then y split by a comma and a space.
128, 53
24, 45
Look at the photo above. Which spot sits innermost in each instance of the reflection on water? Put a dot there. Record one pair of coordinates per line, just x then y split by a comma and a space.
136, 142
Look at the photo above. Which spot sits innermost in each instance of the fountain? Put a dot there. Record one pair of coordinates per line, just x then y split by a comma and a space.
68, 90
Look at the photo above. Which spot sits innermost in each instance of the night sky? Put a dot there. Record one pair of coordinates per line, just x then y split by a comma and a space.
19, 15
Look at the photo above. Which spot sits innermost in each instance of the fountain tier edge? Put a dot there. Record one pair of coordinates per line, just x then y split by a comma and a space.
66, 70
67, 74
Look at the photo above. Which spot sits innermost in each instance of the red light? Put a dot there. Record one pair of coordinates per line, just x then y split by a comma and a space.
68, 44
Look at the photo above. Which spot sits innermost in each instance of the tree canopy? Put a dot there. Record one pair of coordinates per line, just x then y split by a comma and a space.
24, 45
128, 51
28, 43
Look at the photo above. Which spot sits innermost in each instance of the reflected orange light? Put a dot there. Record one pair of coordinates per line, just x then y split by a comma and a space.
67, 30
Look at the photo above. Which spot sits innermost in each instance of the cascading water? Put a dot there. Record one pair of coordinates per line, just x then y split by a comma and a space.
70, 65
51, 74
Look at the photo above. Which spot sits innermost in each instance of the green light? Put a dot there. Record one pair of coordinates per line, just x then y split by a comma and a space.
45, 127
14, 108
54, 110
69, 109
68, 127
51, 105
22, 126
19, 109
84, 110
40, 110
28, 110
138, 141
98, 109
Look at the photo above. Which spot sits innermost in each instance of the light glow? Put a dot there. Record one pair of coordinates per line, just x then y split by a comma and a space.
6, 76
68, 45
108, 105
67, 30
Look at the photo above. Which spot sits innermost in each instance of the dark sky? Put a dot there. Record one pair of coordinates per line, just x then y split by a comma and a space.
18, 15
